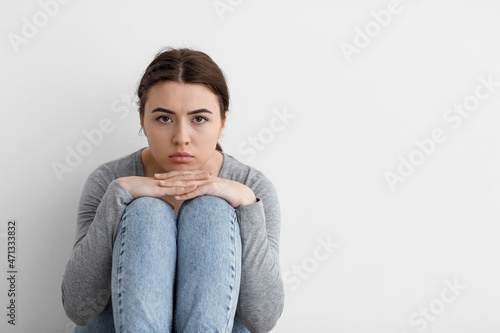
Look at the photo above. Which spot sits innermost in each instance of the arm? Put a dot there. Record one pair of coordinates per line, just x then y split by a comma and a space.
261, 298
86, 284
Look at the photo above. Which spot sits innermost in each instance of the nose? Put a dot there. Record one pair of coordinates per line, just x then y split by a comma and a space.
181, 134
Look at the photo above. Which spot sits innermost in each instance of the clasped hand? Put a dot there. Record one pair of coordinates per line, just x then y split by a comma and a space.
176, 186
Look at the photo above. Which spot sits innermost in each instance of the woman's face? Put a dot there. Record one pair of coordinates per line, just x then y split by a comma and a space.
182, 118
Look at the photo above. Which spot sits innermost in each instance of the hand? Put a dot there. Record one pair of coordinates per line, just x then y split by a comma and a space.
235, 193
149, 187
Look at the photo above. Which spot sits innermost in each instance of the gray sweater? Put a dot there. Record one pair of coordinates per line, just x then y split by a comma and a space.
86, 283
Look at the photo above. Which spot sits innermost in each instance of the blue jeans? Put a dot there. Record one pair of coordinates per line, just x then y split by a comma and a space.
169, 273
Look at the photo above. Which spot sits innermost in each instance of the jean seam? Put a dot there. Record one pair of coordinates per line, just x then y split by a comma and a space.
233, 267
120, 273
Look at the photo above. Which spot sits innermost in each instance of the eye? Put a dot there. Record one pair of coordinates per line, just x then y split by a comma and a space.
200, 119
164, 119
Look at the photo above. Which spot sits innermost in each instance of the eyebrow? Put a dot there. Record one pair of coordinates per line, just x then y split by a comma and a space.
189, 113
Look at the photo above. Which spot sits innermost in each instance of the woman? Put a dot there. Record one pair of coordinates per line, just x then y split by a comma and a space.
178, 235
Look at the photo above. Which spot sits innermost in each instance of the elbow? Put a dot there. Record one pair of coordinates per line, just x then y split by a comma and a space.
268, 324
272, 320
264, 321
72, 312
265, 324
278, 304
77, 320
74, 315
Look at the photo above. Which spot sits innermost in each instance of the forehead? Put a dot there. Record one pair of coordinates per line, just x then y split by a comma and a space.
181, 97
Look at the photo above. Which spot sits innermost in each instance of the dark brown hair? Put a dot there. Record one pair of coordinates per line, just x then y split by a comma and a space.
184, 66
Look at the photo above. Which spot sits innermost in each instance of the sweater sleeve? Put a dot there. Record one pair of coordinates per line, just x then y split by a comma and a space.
86, 284
261, 297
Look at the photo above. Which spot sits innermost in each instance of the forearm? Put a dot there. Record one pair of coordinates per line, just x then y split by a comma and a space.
261, 298
86, 281
85, 285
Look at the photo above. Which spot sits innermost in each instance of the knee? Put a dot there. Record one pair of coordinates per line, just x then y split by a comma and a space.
207, 222
149, 213
148, 205
206, 213
206, 205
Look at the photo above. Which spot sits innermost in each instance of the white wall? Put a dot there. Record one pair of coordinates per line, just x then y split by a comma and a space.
357, 105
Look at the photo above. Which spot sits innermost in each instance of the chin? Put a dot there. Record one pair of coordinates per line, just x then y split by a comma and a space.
180, 166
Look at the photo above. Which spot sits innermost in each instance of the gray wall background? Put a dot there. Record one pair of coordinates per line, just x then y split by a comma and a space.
378, 122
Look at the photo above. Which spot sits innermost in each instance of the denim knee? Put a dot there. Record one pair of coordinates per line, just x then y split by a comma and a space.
207, 203
206, 214
148, 204
149, 213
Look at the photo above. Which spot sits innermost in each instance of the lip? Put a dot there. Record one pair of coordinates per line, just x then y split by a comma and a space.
181, 157
181, 153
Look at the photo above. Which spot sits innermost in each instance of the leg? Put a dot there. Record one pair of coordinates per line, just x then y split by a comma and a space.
143, 272
208, 266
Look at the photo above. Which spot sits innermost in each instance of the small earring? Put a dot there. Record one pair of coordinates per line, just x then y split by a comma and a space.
141, 130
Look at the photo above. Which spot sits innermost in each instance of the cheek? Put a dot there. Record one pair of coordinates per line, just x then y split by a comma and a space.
158, 139
156, 130
207, 132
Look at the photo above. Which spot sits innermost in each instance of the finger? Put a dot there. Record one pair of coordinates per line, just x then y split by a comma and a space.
182, 183
179, 190
179, 173
183, 174
196, 193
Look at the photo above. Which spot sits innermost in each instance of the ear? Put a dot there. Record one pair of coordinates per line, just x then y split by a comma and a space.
142, 121
223, 124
